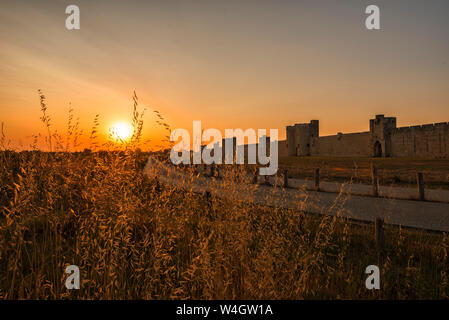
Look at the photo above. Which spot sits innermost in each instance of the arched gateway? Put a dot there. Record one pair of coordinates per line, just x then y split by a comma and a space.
377, 149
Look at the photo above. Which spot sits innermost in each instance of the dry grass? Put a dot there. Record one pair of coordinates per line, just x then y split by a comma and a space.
136, 239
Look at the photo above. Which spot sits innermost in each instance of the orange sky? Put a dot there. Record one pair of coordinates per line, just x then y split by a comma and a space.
247, 64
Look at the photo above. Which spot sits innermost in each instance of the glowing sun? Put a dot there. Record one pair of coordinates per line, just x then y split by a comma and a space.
121, 130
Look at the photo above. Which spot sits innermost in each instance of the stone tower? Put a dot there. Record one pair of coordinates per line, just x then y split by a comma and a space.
381, 128
299, 137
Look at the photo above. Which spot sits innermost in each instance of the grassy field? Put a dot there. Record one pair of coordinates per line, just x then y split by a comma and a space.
391, 171
136, 239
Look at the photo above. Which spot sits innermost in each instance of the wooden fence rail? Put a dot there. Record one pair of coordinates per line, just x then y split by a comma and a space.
214, 171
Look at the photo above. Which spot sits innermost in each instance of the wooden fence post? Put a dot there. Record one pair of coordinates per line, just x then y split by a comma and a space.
285, 178
317, 179
379, 232
420, 186
375, 182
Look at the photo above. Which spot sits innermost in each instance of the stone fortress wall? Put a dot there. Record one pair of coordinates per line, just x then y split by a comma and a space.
383, 140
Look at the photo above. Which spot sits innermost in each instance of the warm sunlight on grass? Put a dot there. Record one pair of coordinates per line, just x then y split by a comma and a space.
121, 131
134, 237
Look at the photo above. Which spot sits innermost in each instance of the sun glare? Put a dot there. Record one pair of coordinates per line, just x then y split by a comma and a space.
121, 130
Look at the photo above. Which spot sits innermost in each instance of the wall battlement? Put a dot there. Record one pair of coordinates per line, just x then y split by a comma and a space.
383, 140
431, 126
340, 134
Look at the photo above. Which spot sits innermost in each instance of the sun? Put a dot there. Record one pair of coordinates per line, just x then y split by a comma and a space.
121, 131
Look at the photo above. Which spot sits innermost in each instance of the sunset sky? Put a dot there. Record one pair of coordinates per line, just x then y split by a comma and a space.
230, 64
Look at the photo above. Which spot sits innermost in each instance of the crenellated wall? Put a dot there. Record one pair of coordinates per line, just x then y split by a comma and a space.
425, 141
343, 145
383, 140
